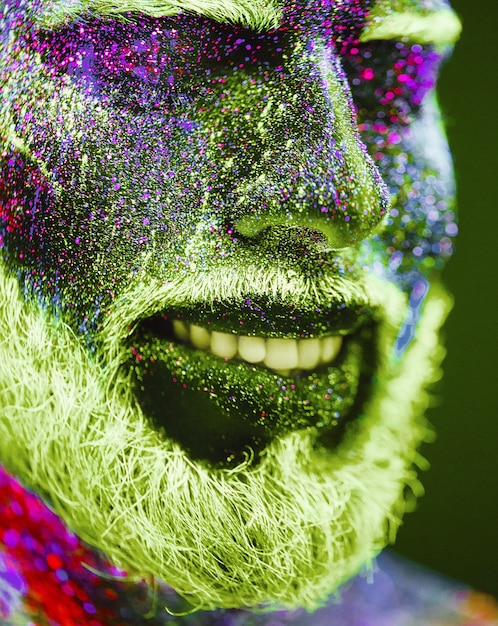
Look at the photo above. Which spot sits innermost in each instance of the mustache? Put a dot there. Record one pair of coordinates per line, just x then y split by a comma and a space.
232, 287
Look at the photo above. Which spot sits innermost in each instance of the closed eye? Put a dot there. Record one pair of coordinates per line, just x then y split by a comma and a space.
128, 68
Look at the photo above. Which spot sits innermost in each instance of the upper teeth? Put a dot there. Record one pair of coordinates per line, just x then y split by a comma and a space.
281, 355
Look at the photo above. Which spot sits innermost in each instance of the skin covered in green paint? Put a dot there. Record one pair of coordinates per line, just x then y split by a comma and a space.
239, 180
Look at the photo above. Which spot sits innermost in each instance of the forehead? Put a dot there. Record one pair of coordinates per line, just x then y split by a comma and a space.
256, 14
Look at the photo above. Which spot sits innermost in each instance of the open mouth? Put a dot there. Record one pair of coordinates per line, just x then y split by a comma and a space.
284, 356
223, 389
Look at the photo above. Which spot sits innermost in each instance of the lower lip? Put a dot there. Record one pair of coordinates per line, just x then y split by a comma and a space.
223, 411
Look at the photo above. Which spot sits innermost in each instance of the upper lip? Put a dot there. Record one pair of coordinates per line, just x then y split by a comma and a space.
275, 303
258, 316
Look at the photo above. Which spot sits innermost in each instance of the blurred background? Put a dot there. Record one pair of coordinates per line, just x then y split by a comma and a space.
455, 529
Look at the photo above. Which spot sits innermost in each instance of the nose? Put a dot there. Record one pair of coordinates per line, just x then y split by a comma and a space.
314, 171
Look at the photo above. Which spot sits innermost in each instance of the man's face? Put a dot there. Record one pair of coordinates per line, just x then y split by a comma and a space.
216, 336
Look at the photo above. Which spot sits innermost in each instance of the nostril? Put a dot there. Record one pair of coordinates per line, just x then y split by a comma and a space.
324, 234
289, 241
302, 236
308, 234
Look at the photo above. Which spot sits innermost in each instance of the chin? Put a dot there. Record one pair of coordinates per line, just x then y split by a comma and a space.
283, 524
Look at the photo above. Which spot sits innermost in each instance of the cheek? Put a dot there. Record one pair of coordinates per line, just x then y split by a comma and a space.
49, 237
418, 233
94, 187
122, 192
25, 196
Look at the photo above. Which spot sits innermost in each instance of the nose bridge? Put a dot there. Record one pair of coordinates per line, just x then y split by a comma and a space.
315, 171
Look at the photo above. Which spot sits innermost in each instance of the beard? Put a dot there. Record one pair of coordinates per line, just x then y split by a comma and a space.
285, 532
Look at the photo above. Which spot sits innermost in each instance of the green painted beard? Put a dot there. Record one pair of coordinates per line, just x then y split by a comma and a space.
215, 344
285, 532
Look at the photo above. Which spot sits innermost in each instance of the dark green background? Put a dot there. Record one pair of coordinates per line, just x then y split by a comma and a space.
455, 529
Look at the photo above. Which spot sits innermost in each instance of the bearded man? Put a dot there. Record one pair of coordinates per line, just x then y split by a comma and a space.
222, 230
